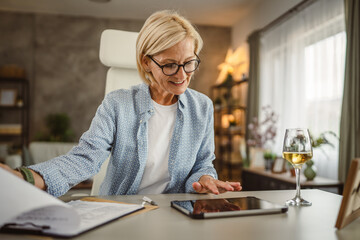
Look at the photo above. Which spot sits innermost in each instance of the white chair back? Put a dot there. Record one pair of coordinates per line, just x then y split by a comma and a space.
118, 52
43, 151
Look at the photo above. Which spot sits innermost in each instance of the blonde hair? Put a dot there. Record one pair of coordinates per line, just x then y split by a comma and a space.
162, 30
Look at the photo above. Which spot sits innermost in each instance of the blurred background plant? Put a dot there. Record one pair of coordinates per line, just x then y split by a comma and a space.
323, 139
262, 132
310, 171
58, 129
269, 157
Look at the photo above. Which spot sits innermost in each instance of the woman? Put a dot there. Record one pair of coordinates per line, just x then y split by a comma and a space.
160, 134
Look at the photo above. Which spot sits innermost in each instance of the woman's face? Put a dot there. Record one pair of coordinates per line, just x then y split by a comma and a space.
164, 89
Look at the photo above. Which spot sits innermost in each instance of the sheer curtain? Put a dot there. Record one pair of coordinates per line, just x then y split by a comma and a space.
302, 75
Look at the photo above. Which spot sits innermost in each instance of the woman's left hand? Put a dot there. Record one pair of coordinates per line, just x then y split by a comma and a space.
208, 184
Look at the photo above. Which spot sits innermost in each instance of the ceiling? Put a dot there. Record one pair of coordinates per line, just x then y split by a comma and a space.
204, 12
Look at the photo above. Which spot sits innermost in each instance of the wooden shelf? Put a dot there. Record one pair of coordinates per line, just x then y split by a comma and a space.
13, 80
229, 108
232, 101
258, 179
229, 131
15, 115
234, 83
10, 134
13, 107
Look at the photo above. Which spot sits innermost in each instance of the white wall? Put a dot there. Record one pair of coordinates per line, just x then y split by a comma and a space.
258, 16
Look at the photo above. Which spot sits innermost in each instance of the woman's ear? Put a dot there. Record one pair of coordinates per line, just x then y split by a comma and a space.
145, 63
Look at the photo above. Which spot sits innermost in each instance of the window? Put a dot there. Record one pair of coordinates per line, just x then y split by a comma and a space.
302, 73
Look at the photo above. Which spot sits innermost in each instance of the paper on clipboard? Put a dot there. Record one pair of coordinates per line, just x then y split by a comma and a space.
26, 208
95, 199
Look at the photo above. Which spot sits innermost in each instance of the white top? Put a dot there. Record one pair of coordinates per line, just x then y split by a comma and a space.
160, 130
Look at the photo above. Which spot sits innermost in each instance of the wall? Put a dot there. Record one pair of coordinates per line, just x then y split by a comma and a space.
60, 56
217, 40
258, 16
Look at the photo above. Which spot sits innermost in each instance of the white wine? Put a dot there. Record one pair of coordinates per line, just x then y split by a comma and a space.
297, 150
297, 157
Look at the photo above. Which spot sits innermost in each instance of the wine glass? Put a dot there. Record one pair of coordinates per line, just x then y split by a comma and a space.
297, 150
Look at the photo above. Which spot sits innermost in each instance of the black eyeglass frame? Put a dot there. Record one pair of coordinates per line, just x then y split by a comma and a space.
178, 65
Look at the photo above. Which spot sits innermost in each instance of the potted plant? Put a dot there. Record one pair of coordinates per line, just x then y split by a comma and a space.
310, 170
269, 159
58, 129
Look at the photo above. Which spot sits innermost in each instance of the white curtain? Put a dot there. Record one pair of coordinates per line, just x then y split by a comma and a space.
301, 76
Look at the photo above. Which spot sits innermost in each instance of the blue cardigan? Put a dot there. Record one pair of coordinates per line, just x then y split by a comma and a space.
120, 127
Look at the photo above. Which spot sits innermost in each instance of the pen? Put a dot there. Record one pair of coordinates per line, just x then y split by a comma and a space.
148, 200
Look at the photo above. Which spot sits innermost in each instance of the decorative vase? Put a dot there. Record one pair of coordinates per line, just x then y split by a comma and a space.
268, 163
310, 170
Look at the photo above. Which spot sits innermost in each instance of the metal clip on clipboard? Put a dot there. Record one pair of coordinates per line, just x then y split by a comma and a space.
27, 227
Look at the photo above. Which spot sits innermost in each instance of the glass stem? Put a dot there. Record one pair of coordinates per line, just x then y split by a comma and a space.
297, 173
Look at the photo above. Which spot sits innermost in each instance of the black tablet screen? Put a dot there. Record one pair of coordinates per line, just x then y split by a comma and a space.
242, 204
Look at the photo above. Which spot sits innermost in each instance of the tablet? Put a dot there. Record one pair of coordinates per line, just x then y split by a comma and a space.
227, 207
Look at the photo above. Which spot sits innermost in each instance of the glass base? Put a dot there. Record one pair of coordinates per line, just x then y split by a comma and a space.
298, 201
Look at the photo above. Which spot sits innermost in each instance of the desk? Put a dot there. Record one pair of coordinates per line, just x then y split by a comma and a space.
315, 222
259, 179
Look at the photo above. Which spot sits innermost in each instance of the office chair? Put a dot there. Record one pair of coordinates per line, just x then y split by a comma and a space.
118, 52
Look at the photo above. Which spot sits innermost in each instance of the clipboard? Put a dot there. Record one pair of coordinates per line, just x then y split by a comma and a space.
34, 229
27, 209
85, 222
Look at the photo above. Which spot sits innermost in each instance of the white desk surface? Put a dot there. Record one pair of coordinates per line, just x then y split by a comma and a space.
165, 223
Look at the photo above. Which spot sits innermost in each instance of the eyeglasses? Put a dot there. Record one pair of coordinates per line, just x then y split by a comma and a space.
171, 69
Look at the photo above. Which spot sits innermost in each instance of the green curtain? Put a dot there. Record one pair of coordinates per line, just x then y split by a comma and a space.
350, 115
253, 87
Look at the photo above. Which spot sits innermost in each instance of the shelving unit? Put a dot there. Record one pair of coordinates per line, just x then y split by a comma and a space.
258, 179
229, 121
14, 116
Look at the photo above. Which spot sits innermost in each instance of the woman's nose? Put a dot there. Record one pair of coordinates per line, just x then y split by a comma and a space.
181, 74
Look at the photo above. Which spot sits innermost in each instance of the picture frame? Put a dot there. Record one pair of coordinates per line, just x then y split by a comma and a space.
257, 158
8, 96
350, 204
279, 165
